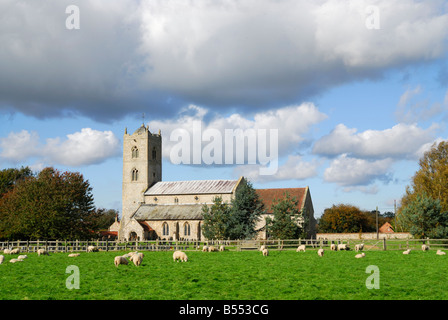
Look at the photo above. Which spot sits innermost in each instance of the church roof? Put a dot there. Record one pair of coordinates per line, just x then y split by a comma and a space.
192, 187
169, 212
269, 196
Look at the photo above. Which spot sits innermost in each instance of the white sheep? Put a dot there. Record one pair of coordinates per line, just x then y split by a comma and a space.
137, 259
1, 259
262, 248
204, 249
92, 249
359, 247
407, 251
212, 249
333, 247
14, 260
42, 252
425, 247
343, 247
221, 248
22, 257
72, 255
265, 252
320, 252
300, 248
360, 255
179, 255
440, 253
7, 251
15, 251
120, 260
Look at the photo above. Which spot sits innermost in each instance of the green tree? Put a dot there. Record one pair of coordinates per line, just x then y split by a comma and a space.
424, 218
285, 223
9, 177
246, 210
345, 218
51, 205
216, 219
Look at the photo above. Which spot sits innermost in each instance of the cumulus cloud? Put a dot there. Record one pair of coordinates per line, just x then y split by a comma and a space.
80, 148
252, 55
400, 141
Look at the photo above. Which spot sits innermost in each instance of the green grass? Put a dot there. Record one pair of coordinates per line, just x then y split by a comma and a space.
247, 275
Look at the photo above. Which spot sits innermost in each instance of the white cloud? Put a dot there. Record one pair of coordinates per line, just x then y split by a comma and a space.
401, 141
80, 148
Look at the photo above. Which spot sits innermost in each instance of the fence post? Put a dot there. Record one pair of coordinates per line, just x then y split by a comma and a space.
107, 245
384, 244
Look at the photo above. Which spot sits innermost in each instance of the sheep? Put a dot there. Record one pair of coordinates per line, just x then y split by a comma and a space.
7, 251
221, 248
15, 251
320, 252
212, 249
22, 257
265, 252
14, 260
72, 255
120, 260
333, 247
179, 255
92, 249
425, 247
360, 255
262, 248
42, 252
407, 251
359, 247
137, 259
204, 249
343, 247
440, 253
1, 259
300, 248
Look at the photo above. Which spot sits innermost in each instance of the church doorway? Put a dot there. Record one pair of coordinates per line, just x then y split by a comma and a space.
133, 236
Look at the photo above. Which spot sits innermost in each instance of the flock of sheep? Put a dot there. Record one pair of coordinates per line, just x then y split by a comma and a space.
137, 257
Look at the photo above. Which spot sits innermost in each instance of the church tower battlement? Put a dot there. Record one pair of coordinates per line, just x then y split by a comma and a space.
142, 167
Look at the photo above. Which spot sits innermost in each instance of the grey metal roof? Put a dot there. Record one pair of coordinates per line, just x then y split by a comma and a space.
192, 187
169, 212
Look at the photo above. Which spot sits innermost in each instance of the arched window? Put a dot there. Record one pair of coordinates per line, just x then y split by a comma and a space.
134, 152
165, 229
176, 200
134, 174
154, 153
186, 229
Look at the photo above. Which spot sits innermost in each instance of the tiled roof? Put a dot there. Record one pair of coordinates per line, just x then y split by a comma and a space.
192, 187
268, 196
169, 212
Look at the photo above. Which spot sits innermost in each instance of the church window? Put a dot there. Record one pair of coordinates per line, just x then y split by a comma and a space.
176, 200
186, 229
165, 229
134, 174
134, 152
154, 154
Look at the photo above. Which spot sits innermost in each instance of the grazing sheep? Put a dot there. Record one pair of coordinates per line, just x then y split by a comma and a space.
137, 259
120, 260
179, 255
333, 247
42, 252
72, 255
320, 252
300, 248
221, 248
7, 251
14, 260
407, 251
262, 248
359, 247
265, 252
1, 259
440, 253
360, 255
22, 257
204, 249
425, 247
92, 249
343, 247
15, 251
212, 249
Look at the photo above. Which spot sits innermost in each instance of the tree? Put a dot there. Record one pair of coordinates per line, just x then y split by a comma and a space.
216, 219
51, 205
424, 218
345, 218
246, 210
286, 219
9, 177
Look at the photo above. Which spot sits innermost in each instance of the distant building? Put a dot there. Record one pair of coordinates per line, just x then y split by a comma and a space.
172, 210
386, 228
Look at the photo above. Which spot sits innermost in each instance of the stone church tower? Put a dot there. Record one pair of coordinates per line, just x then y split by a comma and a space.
142, 167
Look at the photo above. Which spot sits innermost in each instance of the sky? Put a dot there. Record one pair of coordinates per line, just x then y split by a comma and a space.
341, 96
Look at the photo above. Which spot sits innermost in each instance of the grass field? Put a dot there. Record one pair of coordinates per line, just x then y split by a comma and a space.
247, 275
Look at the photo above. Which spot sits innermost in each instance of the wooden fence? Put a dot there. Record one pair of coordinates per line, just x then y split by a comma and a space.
233, 245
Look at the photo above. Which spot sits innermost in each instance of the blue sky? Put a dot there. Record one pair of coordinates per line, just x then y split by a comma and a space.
355, 107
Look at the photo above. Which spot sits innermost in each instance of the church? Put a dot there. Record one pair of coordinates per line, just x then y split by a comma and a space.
172, 210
